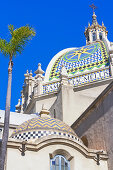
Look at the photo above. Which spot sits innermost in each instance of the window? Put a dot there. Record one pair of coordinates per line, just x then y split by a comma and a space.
54, 113
94, 36
87, 37
100, 35
0, 133
59, 163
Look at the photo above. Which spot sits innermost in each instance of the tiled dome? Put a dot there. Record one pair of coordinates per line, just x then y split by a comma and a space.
78, 60
43, 123
42, 126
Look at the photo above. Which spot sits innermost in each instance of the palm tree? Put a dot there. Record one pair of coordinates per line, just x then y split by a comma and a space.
19, 38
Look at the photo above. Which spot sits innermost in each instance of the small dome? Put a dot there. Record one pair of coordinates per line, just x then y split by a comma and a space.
42, 126
43, 123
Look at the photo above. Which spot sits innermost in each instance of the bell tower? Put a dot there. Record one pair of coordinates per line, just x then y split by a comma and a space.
95, 32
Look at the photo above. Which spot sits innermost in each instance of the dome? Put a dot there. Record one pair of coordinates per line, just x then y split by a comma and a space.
78, 61
42, 126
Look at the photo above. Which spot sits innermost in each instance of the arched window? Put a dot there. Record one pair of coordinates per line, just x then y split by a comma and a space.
94, 36
100, 35
59, 162
87, 37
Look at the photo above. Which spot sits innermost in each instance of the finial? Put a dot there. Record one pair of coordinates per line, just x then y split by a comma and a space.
19, 101
39, 70
94, 20
26, 74
44, 112
64, 76
30, 73
64, 71
88, 24
102, 24
18, 106
93, 7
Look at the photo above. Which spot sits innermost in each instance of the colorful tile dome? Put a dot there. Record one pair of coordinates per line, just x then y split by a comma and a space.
78, 60
42, 126
43, 123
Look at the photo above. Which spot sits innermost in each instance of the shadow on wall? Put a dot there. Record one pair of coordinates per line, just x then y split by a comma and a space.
84, 140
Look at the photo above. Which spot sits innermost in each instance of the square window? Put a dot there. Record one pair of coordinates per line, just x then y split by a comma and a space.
53, 162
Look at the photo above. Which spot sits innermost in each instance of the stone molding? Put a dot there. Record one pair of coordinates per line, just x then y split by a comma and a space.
53, 140
63, 152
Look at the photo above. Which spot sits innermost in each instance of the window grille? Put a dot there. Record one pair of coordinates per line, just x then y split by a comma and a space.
59, 163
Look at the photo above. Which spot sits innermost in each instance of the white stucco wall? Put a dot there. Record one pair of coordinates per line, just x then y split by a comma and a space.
75, 103
47, 101
41, 160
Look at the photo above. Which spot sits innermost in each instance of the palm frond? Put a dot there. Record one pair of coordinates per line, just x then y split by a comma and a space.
20, 38
11, 29
5, 47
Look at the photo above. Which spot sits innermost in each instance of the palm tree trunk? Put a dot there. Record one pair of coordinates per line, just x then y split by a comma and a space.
6, 119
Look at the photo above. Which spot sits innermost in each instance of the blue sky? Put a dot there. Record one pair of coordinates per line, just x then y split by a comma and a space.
59, 24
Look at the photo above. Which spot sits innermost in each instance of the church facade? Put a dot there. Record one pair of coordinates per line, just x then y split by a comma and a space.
64, 119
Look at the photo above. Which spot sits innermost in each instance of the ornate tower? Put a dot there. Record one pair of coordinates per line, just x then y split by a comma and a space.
95, 31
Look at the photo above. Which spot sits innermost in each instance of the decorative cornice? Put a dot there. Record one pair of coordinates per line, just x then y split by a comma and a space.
48, 141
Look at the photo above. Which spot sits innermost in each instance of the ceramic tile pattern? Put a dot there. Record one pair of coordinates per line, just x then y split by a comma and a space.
81, 59
43, 123
42, 133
